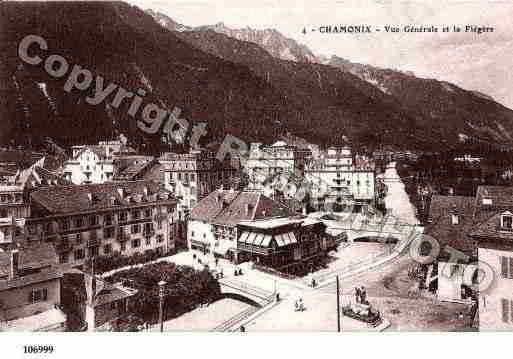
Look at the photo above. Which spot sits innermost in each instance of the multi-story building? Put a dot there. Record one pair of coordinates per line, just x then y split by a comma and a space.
30, 289
14, 200
494, 235
192, 176
99, 219
267, 162
483, 225
338, 180
242, 226
451, 219
95, 163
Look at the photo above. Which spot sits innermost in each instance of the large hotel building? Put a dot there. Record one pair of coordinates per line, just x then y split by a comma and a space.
99, 219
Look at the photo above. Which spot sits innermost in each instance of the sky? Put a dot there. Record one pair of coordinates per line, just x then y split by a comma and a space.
473, 61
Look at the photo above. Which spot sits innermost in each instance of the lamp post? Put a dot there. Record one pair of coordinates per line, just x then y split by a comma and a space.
161, 285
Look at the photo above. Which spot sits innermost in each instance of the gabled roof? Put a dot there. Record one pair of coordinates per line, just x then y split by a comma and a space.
105, 292
497, 198
228, 207
441, 228
491, 229
65, 199
32, 256
38, 261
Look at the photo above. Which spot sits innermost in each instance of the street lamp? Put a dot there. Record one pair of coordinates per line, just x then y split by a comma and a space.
161, 285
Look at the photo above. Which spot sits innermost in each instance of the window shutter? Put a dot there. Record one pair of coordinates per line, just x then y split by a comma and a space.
31, 297
511, 310
45, 294
505, 310
504, 267
510, 267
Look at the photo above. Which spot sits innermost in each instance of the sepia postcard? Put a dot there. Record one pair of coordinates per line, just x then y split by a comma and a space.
255, 167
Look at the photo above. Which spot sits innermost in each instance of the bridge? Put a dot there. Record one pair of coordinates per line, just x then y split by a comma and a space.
257, 297
250, 294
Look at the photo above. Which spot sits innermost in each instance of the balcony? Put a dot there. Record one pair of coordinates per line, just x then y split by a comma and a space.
63, 246
122, 235
93, 242
148, 233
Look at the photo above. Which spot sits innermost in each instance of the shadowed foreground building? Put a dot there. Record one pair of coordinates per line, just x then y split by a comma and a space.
30, 289
99, 219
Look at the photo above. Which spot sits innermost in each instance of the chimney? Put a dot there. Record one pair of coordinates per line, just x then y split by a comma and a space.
15, 264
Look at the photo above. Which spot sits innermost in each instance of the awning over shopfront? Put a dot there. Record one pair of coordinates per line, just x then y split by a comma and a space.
264, 240
222, 247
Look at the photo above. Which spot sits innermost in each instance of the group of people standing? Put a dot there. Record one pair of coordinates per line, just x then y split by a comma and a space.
361, 295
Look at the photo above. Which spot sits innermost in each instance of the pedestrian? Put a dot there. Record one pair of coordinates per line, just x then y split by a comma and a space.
363, 295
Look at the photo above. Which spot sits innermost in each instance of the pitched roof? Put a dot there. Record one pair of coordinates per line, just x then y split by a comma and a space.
32, 256
491, 200
65, 199
131, 167
37, 263
105, 291
229, 207
444, 231
491, 228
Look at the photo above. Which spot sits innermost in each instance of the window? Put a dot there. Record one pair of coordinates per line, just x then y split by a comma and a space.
63, 258
160, 238
122, 216
79, 222
79, 254
136, 243
147, 213
507, 310
78, 238
506, 267
48, 228
136, 214
93, 251
159, 225
107, 219
38, 295
136, 228
64, 225
107, 249
93, 220
507, 222
123, 246
455, 219
108, 232
148, 241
